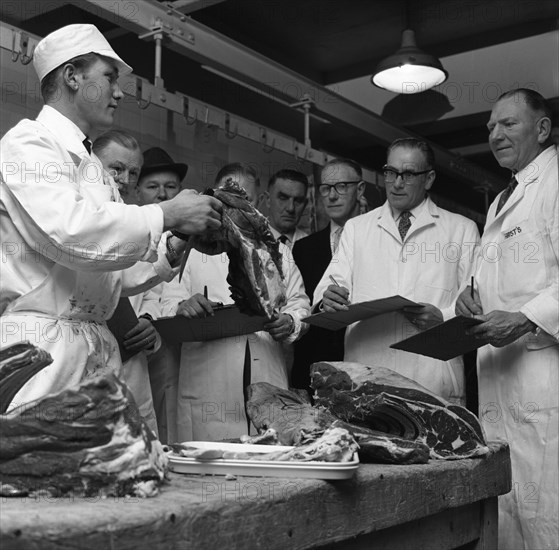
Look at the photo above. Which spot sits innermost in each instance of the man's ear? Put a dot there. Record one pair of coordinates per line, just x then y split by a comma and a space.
360, 189
70, 76
544, 129
430, 180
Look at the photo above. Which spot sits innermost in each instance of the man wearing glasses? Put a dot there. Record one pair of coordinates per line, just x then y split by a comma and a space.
411, 247
341, 188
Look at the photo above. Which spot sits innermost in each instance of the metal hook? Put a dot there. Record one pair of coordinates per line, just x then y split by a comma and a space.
15, 55
189, 121
207, 116
228, 133
265, 147
23, 45
139, 98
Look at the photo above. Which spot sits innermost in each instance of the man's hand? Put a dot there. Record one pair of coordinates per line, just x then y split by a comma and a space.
197, 306
500, 328
191, 213
335, 299
142, 337
423, 317
468, 306
280, 328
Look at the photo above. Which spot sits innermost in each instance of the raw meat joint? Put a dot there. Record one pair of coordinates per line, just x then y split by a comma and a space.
86, 441
393, 419
255, 272
384, 400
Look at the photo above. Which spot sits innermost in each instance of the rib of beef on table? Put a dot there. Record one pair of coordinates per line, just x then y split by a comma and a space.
381, 399
297, 422
255, 270
88, 440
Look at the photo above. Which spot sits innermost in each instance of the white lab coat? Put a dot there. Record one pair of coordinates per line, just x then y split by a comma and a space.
429, 266
135, 370
518, 270
210, 403
66, 237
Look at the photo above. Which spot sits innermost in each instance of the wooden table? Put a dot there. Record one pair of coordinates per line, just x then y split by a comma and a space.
437, 506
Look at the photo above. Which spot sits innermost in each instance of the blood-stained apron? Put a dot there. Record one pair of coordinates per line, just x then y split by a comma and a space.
65, 314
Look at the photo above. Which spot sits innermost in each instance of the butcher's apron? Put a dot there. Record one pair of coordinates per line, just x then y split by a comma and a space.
65, 315
518, 383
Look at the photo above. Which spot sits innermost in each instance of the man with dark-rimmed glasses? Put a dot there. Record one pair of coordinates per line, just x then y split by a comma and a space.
341, 188
411, 247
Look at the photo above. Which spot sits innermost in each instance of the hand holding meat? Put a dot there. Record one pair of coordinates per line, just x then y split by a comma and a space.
501, 328
335, 298
197, 306
280, 328
424, 317
142, 337
468, 306
192, 213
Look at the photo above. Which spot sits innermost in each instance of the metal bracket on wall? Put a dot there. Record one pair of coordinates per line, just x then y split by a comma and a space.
306, 103
22, 45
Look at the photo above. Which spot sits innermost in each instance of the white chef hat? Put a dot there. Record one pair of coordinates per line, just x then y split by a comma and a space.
68, 42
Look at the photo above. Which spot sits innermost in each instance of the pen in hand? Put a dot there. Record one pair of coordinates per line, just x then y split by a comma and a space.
472, 288
205, 292
334, 280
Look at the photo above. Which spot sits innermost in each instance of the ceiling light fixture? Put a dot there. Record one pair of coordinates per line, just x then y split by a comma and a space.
409, 70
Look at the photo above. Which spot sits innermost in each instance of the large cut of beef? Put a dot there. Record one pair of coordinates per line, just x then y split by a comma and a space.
255, 271
88, 440
381, 399
297, 422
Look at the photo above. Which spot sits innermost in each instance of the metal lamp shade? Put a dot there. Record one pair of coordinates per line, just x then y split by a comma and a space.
409, 70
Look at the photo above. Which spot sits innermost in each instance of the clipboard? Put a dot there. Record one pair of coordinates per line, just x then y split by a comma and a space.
124, 318
358, 312
444, 341
227, 321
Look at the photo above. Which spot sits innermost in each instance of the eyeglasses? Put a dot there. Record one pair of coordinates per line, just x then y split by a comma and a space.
407, 176
341, 187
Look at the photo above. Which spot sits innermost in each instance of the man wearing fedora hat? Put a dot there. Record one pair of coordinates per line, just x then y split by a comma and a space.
160, 177
67, 235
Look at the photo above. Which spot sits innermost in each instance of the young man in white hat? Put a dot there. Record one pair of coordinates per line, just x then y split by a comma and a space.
66, 233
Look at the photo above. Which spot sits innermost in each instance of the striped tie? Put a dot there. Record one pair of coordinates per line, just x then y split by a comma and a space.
506, 193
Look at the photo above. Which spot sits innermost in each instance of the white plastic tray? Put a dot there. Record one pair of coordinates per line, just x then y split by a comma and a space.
260, 468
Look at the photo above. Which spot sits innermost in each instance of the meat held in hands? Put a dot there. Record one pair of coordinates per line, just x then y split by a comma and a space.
255, 262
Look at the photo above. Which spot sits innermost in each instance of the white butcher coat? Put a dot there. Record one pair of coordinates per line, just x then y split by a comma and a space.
66, 236
210, 404
518, 270
431, 264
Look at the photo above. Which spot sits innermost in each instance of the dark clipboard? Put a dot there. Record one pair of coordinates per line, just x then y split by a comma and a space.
444, 341
124, 319
227, 321
358, 312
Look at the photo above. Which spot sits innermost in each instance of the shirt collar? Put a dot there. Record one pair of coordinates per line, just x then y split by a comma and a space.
334, 227
532, 171
415, 212
277, 234
63, 129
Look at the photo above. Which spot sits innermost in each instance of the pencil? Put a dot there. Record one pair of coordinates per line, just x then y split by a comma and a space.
334, 280
205, 292
472, 287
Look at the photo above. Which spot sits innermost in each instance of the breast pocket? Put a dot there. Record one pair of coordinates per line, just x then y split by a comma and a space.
521, 265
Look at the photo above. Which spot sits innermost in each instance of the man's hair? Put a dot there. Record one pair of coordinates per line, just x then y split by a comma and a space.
342, 162
126, 140
533, 99
287, 174
49, 84
237, 168
413, 143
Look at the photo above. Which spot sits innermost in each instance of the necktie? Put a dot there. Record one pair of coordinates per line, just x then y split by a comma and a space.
506, 193
87, 144
404, 224
336, 239
283, 239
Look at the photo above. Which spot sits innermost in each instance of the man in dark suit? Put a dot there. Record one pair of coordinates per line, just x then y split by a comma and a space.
341, 188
